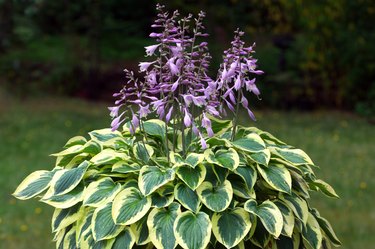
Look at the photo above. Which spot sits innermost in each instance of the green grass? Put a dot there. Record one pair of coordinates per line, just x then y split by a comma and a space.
340, 143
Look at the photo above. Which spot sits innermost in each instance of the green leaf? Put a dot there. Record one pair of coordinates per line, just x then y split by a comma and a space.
215, 141
268, 213
231, 227
100, 192
240, 188
325, 188
192, 231
83, 224
294, 156
125, 240
143, 152
153, 177
160, 224
260, 236
140, 231
262, 157
297, 204
72, 150
66, 180
66, 200
155, 127
108, 156
70, 239
103, 226
193, 159
311, 232
220, 126
288, 218
326, 227
125, 167
216, 198
129, 206
277, 176
250, 143
104, 135
78, 140
227, 159
91, 147
33, 184
248, 174
193, 177
163, 196
64, 217
187, 197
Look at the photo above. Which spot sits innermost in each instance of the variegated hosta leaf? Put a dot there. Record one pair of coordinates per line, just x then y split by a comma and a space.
72, 150
268, 213
104, 135
89, 243
240, 188
103, 225
108, 156
187, 197
297, 204
192, 231
64, 217
311, 232
294, 156
70, 239
326, 227
33, 184
125, 167
261, 157
263, 134
225, 158
101, 191
192, 177
260, 236
66, 180
248, 174
91, 147
277, 176
299, 184
325, 188
163, 196
216, 198
143, 152
215, 141
140, 231
250, 143
231, 226
129, 206
193, 159
155, 127
160, 224
152, 177
288, 218
220, 126
220, 173
66, 200
77, 140
83, 225
125, 240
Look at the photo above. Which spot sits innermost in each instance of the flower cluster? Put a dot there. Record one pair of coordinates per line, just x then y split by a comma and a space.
176, 84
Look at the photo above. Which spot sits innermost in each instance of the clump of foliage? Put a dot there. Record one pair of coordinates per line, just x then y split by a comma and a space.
188, 179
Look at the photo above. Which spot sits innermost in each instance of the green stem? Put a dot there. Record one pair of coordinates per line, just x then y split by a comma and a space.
235, 118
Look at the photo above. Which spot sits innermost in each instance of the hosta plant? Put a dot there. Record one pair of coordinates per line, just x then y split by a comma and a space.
172, 173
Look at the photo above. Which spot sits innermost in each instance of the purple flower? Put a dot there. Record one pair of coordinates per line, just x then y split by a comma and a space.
114, 110
169, 114
143, 66
150, 50
115, 124
144, 111
203, 142
187, 119
237, 83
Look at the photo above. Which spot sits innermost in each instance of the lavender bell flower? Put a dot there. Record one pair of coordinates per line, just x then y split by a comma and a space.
143, 66
150, 50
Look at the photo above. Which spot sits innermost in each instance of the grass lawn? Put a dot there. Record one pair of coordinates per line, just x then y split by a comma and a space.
341, 144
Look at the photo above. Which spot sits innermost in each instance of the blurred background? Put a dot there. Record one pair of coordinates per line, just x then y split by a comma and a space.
60, 62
